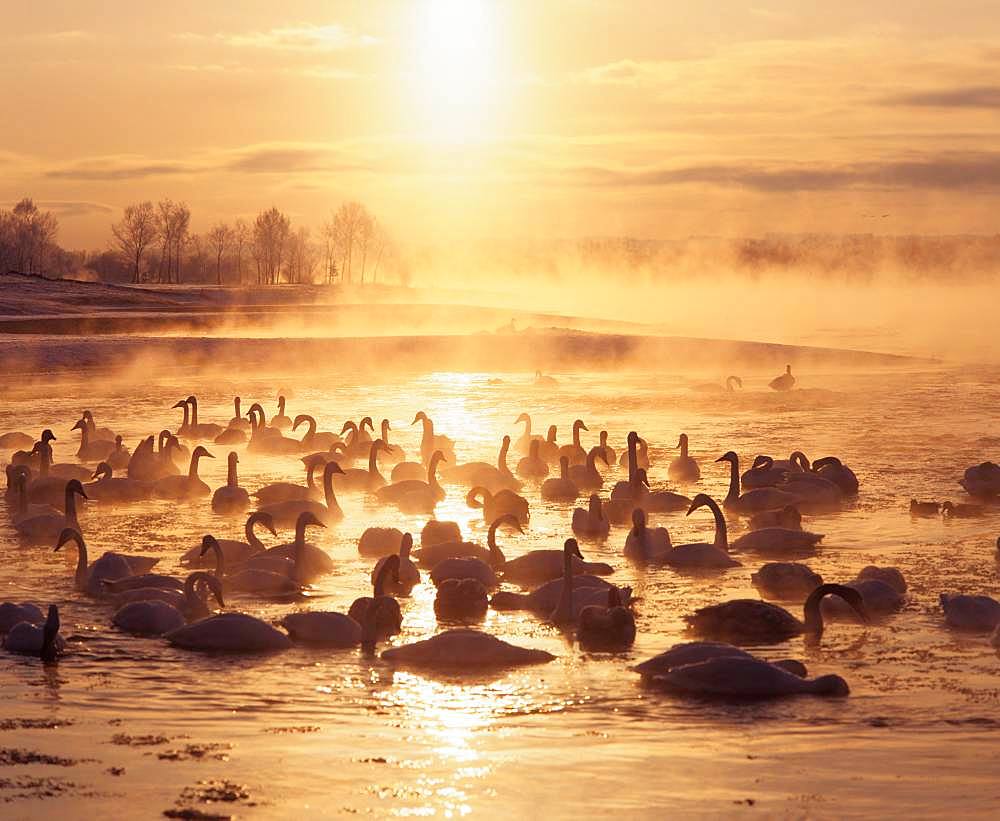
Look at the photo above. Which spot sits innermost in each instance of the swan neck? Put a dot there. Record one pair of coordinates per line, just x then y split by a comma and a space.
231, 478
734, 481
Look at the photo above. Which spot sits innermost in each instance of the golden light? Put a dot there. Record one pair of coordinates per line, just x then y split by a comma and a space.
454, 71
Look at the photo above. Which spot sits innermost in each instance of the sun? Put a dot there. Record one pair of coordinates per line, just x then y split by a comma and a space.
454, 73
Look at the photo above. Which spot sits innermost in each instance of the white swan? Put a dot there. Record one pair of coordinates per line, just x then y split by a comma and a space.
389, 618
88, 577
308, 561
91, 450
533, 466
575, 452
431, 443
451, 546
154, 611
415, 495
493, 477
45, 527
574, 599
11, 614
406, 575
753, 501
314, 439
982, 481
735, 677
560, 488
607, 452
363, 481
751, 621
538, 566
979, 614
280, 421
233, 551
44, 641
785, 382
463, 649
231, 498
502, 503
391, 453
695, 652
180, 488
380, 541
702, 554
778, 541
15, 440
523, 443
684, 468
330, 629
606, 627
469, 566
229, 632
646, 544
460, 600
543, 599
786, 581
587, 476
286, 513
589, 522
112, 489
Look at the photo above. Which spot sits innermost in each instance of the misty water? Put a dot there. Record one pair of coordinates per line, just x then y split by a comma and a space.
315, 731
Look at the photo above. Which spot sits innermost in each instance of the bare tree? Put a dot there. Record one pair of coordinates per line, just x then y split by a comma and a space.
366, 232
164, 228
346, 221
380, 241
220, 238
241, 234
270, 233
134, 234
180, 221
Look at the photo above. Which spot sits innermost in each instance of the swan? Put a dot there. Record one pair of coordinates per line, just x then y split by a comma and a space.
415, 495
982, 481
31, 639
575, 452
833, 470
313, 439
469, 564
778, 541
22, 510
924, 508
230, 436
144, 464
355, 479
523, 443
750, 621
201, 430
250, 579
431, 443
499, 504
645, 544
11, 614
279, 420
949, 510
15, 440
539, 566
238, 422
390, 453
358, 441
589, 522
330, 629
753, 501
286, 513
463, 649
763, 473
92, 450
882, 590
59, 472
407, 471
229, 632
189, 602
786, 581
289, 491
389, 618
111, 488
308, 561
548, 448
607, 452
184, 487
33, 458
631, 489
543, 599
460, 599
734, 677
96, 432
406, 575
268, 440
587, 476
561, 488
785, 382
173, 455
610, 627
641, 457
701, 554
492, 477
89, 577
732, 382
572, 601
47, 526
120, 456
533, 466
380, 541
979, 614
443, 540
545, 381
695, 652
787, 517
235, 552
813, 491
684, 468
231, 498
148, 618
658, 501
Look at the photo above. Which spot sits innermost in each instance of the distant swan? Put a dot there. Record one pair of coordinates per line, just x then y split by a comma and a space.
785, 382
684, 468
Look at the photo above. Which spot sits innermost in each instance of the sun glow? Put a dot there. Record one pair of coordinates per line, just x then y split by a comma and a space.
454, 73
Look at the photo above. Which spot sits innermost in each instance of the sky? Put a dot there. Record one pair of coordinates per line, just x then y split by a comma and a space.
525, 118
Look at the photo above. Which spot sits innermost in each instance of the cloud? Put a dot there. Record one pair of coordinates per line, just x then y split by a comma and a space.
955, 172
962, 97
306, 38
110, 169
286, 159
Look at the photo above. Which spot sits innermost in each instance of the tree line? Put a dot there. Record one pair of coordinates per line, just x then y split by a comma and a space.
28, 240
154, 243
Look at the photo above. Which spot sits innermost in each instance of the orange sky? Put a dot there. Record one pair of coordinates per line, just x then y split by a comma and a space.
479, 118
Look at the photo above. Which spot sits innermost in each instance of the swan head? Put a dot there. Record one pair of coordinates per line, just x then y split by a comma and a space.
263, 518
48, 436
301, 419
831, 685
594, 505
788, 369
366, 422
438, 456
103, 469
81, 424
192, 400
201, 451
701, 500
420, 417
729, 456
330, 469
181, 404
572, 548
552, 433
209, 542
69, 534
213, 584
579, 425
507, 519
633, 438
682, 441
233, 459
74, 486
307, 519
522, 418
760, 462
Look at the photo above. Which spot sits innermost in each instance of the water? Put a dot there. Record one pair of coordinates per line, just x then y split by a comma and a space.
332, 732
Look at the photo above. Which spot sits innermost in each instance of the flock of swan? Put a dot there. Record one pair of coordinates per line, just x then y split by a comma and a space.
47, 503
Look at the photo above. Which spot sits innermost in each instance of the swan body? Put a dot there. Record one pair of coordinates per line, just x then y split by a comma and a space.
785, 382
238, 422
701, 554
15, 440
502, 503
646, 544
181, 488
415, 495
148, 618
328, 629
586, 476
880, 599
89, 578
786, 581
925, 509
46, 527
229, 632
949, 510
460, 599
234, 552
561, 488
11, 614
982, 481
833, 470
482, 474
575, 600
286, 513
92, 450
523, 443
463, 649
30, 639
980, 614
658, 501
231, 498
543, 599
436, 532
380, 541
787, 517
114, 489
406, 575
363, 481
735, 677
606, 627
431, 443
539, 566
778, 541
684, 468
589, 522
314, 439
750, 621
289, 491
533, 466
388, 616
695, 652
